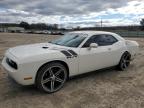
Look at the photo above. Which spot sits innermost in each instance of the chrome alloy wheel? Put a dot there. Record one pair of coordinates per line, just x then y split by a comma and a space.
53, 78
125, 61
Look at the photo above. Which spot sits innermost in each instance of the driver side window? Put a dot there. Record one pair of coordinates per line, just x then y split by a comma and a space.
89, 41
101, 40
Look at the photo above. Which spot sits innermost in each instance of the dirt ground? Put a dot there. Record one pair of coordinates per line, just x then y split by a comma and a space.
101, 89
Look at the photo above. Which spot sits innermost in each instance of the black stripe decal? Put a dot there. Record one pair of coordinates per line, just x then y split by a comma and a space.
67, 54
73, 53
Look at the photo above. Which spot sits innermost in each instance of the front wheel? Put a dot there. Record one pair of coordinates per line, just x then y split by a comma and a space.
124, 61
51, 77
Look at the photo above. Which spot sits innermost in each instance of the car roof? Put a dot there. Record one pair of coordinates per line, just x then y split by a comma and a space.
90, 33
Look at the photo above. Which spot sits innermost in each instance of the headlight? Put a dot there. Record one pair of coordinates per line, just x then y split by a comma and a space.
11, 63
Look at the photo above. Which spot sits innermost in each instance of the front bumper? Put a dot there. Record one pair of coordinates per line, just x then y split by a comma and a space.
16, 74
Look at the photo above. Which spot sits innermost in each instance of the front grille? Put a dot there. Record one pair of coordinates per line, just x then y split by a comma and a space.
11, 63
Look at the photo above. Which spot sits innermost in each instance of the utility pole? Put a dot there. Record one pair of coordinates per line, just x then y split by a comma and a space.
101, 23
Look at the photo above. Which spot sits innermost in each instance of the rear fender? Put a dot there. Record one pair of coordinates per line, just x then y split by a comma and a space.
133, 47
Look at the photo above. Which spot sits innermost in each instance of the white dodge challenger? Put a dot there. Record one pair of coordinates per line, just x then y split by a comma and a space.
49, 65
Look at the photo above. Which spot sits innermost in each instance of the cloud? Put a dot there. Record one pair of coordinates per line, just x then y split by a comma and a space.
72, 11
61, 7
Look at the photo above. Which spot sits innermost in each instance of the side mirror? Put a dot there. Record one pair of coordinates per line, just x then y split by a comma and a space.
93, 45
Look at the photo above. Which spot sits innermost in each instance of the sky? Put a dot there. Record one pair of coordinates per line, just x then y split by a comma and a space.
73, 12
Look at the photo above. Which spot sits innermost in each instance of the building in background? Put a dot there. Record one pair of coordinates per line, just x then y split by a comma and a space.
15, 29
3, 29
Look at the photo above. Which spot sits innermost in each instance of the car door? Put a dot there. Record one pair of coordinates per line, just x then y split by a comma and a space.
100, 57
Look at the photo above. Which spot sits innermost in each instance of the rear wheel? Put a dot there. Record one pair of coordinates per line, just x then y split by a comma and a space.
125, 61
51, 77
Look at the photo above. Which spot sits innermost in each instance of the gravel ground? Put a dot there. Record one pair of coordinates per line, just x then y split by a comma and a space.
101, 89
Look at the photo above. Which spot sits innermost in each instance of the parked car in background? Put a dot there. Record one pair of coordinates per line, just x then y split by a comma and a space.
57, 33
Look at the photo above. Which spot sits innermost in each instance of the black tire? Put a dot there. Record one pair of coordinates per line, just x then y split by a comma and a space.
51, 77
124, 61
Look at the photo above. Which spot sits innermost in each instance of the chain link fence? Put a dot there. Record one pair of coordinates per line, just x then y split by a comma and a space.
129, 33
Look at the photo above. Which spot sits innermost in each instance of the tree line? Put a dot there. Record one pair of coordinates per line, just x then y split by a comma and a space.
35, 26
43, 26
142, 24
38, 26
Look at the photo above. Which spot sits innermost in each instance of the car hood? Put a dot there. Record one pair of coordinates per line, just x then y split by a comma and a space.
34, 49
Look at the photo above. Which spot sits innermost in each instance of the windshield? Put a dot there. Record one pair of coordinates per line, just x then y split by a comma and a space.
69, 40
